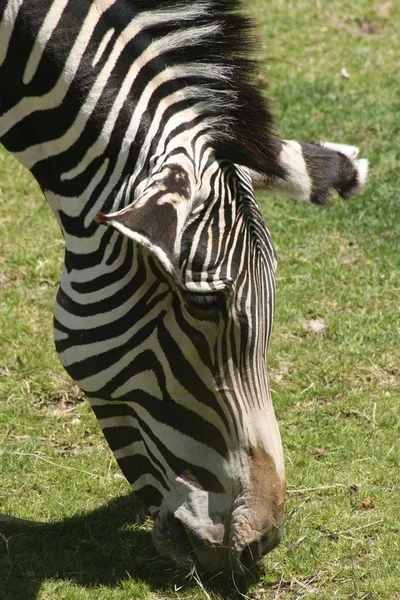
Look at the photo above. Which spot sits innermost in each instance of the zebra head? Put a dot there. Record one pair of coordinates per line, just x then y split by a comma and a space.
210, 457
215, 447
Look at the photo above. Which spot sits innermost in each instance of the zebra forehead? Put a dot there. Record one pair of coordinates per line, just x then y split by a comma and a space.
176, 183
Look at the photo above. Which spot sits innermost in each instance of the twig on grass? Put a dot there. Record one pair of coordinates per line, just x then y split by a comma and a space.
353, 529
297, 543
196, 577
304, 586
278, 591
307, 388
320, 488
50, 462
347, 532
374, 417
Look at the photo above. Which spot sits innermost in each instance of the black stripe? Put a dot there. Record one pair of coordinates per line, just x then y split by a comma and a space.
100, 362
133, 467
98, 283
150, 496
120, 436
186, 374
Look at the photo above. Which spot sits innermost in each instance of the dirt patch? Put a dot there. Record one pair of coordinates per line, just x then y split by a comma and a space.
67, 400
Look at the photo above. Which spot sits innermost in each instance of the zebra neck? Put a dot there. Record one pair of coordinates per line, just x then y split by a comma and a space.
78, 115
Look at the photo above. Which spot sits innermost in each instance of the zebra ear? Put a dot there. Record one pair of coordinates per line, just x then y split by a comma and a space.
156, 219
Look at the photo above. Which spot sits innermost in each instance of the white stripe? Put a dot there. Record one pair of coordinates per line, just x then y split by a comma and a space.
48, 26
7, 26
349, 151
362, 169
76, 354
297, 180
103, 45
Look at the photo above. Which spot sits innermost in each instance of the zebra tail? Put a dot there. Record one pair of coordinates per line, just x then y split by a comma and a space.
311, 170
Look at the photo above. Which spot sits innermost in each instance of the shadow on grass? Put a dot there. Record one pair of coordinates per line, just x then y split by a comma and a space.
100, 548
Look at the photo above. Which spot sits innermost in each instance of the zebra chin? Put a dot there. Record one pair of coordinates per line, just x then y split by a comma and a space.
188, 547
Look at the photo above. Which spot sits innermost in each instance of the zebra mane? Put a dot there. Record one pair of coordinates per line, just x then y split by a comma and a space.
208, 47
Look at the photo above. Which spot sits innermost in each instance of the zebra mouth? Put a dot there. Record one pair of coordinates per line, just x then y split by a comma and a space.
172, 539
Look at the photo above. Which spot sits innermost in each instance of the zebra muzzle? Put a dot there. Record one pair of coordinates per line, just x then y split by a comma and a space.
186, 546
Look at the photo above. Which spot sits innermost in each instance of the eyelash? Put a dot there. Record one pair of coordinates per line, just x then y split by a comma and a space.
210, 301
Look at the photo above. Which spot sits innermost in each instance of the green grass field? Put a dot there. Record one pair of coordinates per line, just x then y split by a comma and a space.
336, 392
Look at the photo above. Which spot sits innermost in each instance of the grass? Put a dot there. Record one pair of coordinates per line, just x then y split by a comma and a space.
336, 393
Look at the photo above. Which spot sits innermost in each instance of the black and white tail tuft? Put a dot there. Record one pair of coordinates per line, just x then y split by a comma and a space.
312, 170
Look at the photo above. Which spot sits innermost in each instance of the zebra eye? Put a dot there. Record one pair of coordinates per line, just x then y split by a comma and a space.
207, 301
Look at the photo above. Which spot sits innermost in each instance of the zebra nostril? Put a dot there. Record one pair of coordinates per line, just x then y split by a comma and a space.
271, 540
259, 548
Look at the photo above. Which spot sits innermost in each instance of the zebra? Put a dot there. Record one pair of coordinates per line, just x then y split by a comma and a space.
141, 123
